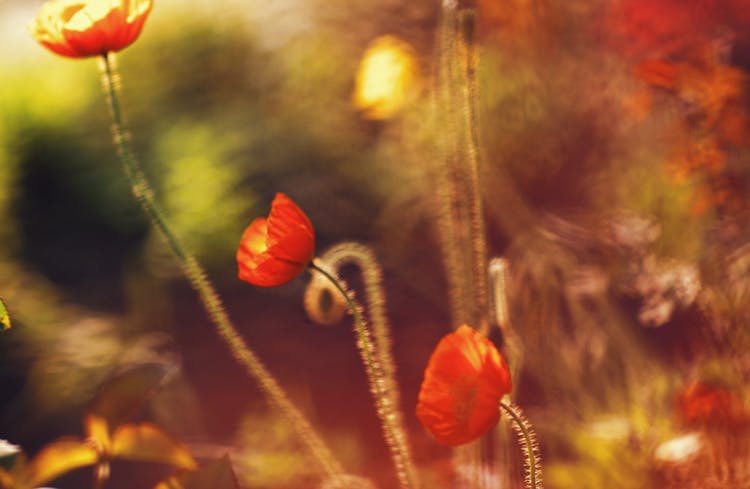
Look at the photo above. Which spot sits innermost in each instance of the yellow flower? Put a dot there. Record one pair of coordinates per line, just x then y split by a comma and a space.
385, 78
81, 28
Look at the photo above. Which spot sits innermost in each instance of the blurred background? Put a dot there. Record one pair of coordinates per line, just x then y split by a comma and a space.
616, 164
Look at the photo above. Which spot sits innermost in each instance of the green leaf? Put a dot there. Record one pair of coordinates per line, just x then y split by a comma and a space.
215, 475
149, 443
121, 397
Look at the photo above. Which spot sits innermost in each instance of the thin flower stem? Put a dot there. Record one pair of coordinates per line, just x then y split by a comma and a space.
461, 233
512, 344
448, 194
386, 408
205, 289
101, 474
461, 214
528, 443
473, 161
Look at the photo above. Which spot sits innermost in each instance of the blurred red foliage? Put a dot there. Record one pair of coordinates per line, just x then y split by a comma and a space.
714, 121
702, 404
650, 28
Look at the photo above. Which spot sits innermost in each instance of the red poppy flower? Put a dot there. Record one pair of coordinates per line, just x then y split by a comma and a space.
81, 28
463, 383
275, 250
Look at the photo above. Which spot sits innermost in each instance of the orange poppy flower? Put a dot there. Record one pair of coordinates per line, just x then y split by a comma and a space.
81, 28
463, 383
276, 249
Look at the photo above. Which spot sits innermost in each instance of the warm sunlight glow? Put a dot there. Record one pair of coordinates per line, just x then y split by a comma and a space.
679, 449
385, 78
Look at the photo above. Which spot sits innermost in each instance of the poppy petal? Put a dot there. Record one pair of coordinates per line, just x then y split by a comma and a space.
80, 28
276, 249
290, 232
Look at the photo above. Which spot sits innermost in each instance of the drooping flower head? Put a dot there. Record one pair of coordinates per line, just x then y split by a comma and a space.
82, 28
276, 249
463, 383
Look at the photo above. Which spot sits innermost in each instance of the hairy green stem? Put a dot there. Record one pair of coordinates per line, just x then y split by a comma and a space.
473, 161
512, 344
528, 444
450, 215
460, 216
386, 408
203, 286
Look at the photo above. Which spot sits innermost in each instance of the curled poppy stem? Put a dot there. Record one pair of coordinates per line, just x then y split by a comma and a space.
380, 387
529, 445
210, 299
364, 259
